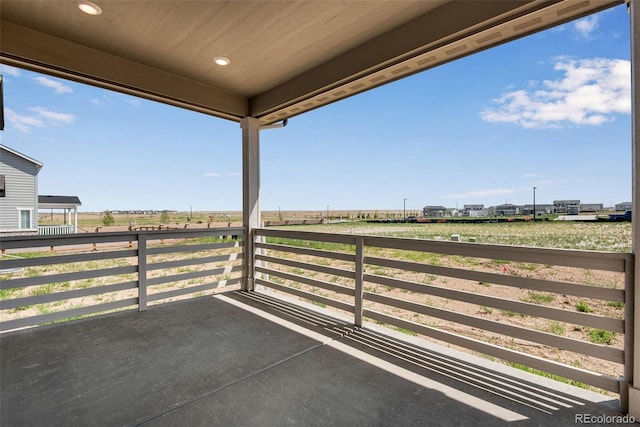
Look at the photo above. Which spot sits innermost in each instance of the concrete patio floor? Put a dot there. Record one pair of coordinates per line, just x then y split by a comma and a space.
247, 359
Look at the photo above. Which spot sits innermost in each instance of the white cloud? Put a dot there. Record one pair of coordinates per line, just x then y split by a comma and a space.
585, 26
56, 85
42, 118
52, 115
22, 123
96, 101
7, 69
479, 193
589, 93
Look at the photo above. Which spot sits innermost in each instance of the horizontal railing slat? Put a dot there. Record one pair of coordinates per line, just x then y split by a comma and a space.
194, 261
585, 291
307, 295
606, 353
307, 266
67, 277
186, 233
192, 248
596, 260
192, 275
66, 259
307, 235
20, 242
306, 280
306, 251
578, 318
61, 296
597, 380
52, 317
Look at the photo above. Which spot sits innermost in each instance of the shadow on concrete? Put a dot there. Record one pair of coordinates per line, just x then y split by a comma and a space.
247, 359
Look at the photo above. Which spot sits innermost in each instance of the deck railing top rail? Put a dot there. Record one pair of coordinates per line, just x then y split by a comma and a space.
597, 260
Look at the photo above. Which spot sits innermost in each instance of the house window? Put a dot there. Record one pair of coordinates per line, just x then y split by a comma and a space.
2, 186
25, 219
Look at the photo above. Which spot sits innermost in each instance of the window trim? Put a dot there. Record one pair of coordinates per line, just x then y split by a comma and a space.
23, 209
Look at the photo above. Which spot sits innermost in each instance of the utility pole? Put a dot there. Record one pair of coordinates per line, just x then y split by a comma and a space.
404, 210
534, 204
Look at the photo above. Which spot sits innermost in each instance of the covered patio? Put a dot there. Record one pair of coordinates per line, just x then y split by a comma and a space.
68, 205
247, 357
250, 359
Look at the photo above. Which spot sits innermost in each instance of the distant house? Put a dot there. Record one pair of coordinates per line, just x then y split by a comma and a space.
570, 207
506, 209
624, 206
591, 207
436, 211
474, 211
18, 192
541, 209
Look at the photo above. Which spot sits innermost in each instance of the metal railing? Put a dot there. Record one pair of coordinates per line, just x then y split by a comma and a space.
406, 284
55, 278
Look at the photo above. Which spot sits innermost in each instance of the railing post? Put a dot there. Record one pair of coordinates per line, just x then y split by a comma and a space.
633, 395
359, 294
629, 308
142, 272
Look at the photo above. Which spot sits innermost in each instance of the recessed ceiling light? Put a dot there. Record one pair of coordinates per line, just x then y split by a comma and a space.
89, 7
221, 60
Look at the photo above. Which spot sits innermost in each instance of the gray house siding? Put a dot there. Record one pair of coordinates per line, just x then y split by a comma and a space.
21, 192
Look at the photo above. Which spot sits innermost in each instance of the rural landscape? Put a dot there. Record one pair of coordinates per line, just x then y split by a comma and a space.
450, 302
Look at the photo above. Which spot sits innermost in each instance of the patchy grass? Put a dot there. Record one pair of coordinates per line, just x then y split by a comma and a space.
538, 298
583, 307
600, 336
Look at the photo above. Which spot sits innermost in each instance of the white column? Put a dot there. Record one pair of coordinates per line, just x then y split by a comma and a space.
75, 219
633, 398
250, 194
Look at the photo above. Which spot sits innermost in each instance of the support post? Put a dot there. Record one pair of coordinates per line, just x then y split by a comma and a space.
142, 272
359, 292
631, 403
250, 195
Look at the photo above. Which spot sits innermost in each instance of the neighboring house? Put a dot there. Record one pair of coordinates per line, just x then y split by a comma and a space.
18, 192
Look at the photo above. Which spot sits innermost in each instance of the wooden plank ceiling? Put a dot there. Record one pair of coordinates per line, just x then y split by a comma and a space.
287, 57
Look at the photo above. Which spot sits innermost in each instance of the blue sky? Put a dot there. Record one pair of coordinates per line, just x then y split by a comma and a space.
551, 110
